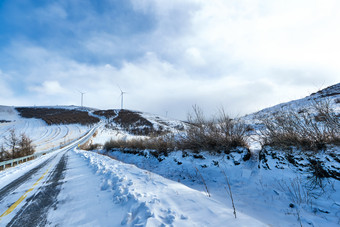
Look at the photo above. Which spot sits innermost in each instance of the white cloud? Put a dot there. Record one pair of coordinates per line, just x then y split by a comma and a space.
271, 33
193, 56
49, 88
244, 55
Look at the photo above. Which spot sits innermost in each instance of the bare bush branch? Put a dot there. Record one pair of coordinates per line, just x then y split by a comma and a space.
216, 135
229, 192
303, 129
205, 184
16, 147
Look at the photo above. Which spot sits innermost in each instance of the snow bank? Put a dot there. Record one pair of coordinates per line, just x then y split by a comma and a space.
263, 193
151, 200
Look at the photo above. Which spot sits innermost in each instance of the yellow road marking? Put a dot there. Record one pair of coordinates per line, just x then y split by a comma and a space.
9, 210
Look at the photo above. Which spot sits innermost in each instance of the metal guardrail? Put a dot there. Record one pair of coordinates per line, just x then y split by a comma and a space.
84, 138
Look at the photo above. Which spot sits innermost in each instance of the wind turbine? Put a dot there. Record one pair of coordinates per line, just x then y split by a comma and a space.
82, 97
122, 98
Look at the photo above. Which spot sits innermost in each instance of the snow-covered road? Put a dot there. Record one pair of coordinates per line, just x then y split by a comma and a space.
79, 188
27, 198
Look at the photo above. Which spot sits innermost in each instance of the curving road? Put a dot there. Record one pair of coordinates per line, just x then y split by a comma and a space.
29, 192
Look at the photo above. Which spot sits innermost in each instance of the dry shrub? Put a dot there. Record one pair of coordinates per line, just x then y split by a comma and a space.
16, 147
122, 144
304, 130
25, 146
217, 135
4, 154
89, 146
297, 192
158, 145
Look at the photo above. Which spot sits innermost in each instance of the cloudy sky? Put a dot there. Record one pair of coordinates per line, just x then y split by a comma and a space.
167, 55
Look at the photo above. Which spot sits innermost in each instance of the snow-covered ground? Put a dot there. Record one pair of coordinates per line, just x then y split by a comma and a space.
261, 193
99, 191
137, 197
104, 134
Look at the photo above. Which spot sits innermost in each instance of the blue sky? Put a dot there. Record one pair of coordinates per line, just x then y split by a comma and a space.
167, 55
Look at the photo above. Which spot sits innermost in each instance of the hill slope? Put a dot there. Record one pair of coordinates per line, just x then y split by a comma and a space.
44, 136
330, 95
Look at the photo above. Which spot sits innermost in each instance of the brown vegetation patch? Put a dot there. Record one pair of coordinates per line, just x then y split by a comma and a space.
157, 145
217, 135
306, 131
135, 124
106, 113
58, 116
126, 118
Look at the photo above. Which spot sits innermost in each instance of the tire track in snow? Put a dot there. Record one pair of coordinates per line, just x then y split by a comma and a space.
56, 133
64, 138
46, 137
26, 126
43, 136
49, 140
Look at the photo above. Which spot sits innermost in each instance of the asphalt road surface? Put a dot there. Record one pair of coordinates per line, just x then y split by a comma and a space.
28, 198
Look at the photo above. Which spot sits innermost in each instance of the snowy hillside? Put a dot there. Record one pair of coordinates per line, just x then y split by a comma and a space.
127, 125
44, 136
51, 126
330, 94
